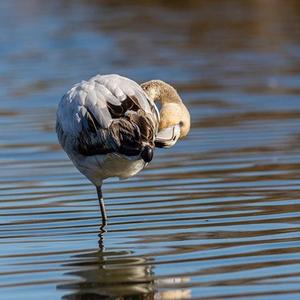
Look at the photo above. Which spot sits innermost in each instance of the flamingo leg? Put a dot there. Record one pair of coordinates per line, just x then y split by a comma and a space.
102, 206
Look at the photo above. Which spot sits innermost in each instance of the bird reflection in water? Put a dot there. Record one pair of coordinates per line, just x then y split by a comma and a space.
118, 274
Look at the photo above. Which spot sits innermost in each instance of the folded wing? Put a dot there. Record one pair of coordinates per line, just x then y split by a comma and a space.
107, 114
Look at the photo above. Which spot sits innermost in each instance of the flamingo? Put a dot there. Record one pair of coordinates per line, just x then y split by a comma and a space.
109, 126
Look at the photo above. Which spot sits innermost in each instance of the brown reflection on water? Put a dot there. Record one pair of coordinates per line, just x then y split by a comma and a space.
114, 274
102, 275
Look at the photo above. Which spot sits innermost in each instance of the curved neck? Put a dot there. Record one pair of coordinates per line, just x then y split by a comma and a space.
172, 112
161, 91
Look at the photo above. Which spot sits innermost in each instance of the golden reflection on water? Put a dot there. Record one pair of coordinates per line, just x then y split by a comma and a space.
115, 274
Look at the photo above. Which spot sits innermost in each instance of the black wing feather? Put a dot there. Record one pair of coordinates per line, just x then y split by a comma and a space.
127, 134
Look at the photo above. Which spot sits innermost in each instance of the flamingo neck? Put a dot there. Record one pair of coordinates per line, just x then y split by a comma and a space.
161, 91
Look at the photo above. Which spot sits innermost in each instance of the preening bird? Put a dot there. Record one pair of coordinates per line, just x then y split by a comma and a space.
109, 126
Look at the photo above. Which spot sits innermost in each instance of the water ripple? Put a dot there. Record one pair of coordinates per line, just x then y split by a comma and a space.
216, 216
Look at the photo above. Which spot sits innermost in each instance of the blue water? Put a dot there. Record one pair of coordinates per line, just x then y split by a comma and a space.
215, 217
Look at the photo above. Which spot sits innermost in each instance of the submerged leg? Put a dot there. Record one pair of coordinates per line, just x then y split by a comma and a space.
102, 207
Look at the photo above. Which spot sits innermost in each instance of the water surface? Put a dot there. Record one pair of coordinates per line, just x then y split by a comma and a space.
215, 217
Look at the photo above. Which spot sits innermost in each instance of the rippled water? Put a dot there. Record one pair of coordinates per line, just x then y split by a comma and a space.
215, 217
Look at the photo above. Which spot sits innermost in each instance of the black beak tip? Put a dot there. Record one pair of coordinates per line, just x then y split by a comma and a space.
147, 154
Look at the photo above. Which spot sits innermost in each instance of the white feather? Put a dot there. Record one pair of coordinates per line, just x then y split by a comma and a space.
93, 95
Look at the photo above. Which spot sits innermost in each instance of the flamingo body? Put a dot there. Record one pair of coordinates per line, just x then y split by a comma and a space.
109, 126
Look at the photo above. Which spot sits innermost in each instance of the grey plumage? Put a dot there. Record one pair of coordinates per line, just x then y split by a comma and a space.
111, 117
109, 126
